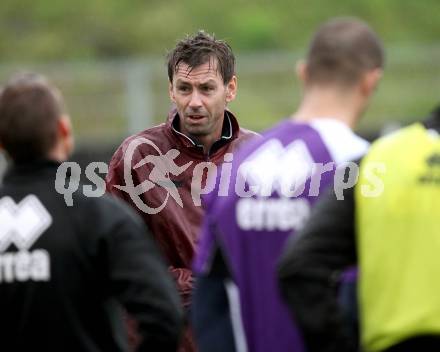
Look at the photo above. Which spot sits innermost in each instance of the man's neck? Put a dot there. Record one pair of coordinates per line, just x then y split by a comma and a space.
58, 154
206, 141
209, 140
328, 104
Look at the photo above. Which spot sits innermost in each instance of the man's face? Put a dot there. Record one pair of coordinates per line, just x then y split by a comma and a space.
201, 98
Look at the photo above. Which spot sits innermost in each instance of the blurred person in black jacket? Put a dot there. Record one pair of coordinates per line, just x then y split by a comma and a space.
67, 272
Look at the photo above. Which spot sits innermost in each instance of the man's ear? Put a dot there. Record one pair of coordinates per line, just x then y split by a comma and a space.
171, 92
231, 89
64, 126
301, 71
370, 81
65, 133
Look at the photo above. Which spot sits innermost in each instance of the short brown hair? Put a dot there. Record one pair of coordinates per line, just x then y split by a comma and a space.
200, 48
342, 50
29, 109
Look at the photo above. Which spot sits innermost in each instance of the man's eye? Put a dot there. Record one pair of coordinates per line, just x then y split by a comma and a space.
183, 89
207, 88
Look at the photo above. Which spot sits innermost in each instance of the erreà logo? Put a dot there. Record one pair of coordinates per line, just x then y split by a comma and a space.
274, 167
22, 224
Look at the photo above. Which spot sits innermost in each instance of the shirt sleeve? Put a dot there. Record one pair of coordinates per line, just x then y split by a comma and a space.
210, 312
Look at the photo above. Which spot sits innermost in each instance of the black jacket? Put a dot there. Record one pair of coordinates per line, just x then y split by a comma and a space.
67, 272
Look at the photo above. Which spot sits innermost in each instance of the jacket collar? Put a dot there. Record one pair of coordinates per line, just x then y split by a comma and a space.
30, 169
230, 131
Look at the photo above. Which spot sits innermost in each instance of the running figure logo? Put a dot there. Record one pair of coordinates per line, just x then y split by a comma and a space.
163, 167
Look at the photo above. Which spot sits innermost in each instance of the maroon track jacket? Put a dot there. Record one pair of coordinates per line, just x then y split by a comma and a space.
167, 187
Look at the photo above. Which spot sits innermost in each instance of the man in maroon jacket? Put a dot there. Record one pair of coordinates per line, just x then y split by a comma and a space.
162, 171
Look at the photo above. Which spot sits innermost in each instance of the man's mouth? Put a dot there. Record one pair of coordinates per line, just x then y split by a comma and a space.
195, 117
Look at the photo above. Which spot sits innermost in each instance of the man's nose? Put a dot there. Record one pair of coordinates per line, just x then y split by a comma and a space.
196, 101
